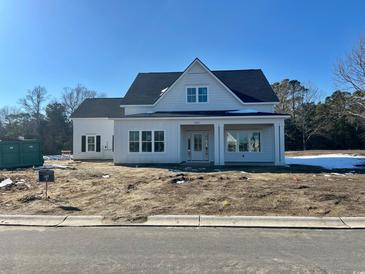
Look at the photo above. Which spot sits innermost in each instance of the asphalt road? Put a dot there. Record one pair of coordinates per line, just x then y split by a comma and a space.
180, 250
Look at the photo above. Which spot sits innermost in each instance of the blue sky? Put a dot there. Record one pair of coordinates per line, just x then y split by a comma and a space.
104, 44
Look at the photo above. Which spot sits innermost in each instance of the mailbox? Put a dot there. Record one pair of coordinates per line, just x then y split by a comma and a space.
46, 175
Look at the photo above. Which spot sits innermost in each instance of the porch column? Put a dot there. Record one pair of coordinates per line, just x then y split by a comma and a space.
216, 144
178, 130
277, 143
221, 144
282, 143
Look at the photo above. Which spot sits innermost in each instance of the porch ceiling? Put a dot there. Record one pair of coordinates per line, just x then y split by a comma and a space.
222, 113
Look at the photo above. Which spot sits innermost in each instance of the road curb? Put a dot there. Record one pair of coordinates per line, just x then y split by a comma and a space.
76, 221
173, 220
31, 220
188, 221
354, 222
272, 221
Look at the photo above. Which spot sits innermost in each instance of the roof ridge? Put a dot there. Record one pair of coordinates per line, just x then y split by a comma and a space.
103, 98
219, 70
236, 70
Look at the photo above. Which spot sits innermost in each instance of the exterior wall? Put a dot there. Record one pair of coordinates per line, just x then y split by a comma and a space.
93, 126
122, 154
272, 140
267, 151
128, 110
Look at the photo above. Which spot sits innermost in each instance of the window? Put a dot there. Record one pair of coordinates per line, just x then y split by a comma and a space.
198, 142
134, 141
159, 141
202, 95
197, 95
231, 142
91, 143
147, 141
191, 95
243, 141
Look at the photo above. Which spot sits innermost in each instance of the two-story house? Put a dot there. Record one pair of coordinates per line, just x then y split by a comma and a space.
195, 116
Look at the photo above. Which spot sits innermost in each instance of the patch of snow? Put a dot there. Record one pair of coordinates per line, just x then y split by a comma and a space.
58, 157
246, 110
6, 182
175, 170
51, 166
180, 182
106, 176
163, 91
328, 161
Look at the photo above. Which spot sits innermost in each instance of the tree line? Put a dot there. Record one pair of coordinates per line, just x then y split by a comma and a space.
337, 122
36, 117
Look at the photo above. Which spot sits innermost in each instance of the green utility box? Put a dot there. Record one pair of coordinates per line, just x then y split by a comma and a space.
20, 153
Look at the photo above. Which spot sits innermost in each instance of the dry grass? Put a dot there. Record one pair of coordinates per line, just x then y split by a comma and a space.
133, 193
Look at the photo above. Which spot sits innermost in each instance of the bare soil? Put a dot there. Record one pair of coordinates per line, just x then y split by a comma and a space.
132, 193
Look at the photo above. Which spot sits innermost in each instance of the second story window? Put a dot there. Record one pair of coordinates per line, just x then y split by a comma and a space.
202, 95
197, 95
191, 95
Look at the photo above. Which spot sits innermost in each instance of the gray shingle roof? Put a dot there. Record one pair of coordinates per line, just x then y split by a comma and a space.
249, 85
99, 108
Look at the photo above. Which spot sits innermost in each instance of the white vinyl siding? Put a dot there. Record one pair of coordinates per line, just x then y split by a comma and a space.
175, 136
93, 127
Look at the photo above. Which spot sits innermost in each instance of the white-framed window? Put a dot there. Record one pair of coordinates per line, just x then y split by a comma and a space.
197, 94
134, 141
202, 94
243, 141
159, 141
147, 141
191, 95
91, 143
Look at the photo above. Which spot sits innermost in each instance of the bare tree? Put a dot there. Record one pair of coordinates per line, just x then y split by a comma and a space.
33, 103
350, 72
72, 97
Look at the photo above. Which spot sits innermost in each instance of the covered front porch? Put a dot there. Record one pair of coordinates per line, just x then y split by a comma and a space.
231, 142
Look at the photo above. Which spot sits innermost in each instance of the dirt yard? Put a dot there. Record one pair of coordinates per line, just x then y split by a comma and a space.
132, 193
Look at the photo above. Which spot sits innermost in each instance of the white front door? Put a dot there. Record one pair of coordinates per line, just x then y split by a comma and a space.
198, 144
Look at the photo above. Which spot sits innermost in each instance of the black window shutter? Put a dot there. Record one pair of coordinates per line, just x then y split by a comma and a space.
97, 143
113, 143
83, 143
